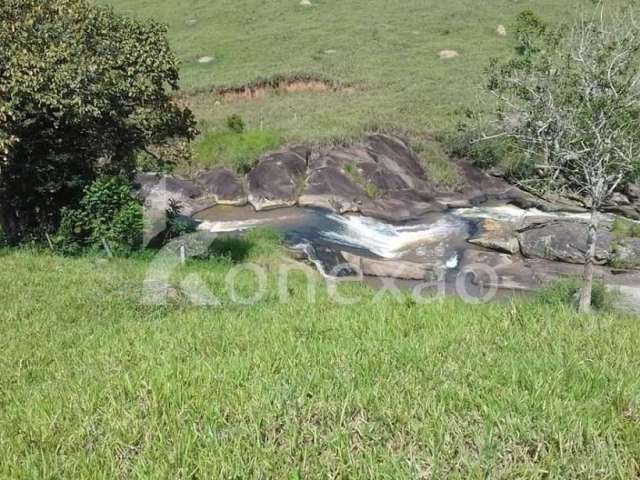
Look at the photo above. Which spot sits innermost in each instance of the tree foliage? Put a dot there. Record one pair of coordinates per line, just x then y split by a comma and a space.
82, 92
571, 100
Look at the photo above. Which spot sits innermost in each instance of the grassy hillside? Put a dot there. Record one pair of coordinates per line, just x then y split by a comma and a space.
93, 384
386, 49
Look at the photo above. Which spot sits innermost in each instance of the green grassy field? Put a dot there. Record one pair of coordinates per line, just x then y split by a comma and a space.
386, 49
96, 384
93, 384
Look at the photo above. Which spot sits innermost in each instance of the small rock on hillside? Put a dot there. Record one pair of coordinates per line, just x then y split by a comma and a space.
633, 192
448, 54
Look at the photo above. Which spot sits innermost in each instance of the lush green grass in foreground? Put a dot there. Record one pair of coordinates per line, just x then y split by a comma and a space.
93, 384
387, 49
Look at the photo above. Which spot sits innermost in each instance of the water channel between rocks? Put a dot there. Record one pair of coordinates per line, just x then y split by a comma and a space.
437, 242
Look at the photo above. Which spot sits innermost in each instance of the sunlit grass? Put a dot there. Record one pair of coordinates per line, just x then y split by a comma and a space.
95, 384
238, 151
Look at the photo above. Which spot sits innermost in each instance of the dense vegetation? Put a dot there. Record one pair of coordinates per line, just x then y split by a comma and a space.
94, 384
83, 91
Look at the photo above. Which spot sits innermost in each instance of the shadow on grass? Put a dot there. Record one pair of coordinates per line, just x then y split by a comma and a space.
232, 249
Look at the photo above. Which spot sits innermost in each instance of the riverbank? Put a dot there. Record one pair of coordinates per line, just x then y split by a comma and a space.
372, 208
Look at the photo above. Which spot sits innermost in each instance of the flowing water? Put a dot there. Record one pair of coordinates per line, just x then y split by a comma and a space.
437, 240
436, 237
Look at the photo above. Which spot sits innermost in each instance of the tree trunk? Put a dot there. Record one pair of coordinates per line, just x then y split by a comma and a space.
9, 226
587, 277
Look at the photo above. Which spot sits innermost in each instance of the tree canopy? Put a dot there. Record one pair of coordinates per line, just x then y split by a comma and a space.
82, 92
571, 100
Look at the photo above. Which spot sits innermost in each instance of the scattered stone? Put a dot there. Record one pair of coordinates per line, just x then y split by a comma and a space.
448, 54
191, 22
222, 185
501, 31
306, 3
499, 236
564, 241
206, 59
330, 51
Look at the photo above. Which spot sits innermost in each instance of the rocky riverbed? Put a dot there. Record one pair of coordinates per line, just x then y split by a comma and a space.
373, 207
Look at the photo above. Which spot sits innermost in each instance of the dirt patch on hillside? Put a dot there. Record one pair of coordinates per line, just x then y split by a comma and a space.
277, 85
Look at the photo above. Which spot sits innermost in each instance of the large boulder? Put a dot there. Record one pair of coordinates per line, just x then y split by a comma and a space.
340, 157
276, 180
564, 241
383, 179
395, 156
331, 188
161, 191
398, 206
495, 235
223, 186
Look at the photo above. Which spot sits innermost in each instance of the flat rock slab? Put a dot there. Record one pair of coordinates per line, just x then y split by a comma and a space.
478, 187
499, 270
495, 235
564, 241
388, 268
275, 181
223, 186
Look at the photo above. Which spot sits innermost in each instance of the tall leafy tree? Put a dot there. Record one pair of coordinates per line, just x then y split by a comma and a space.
82, 92
571, 99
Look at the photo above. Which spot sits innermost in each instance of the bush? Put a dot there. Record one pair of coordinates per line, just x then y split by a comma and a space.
240, 152
567, 292
83, 91
108, 217
472, 139
235, 123
624, 228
